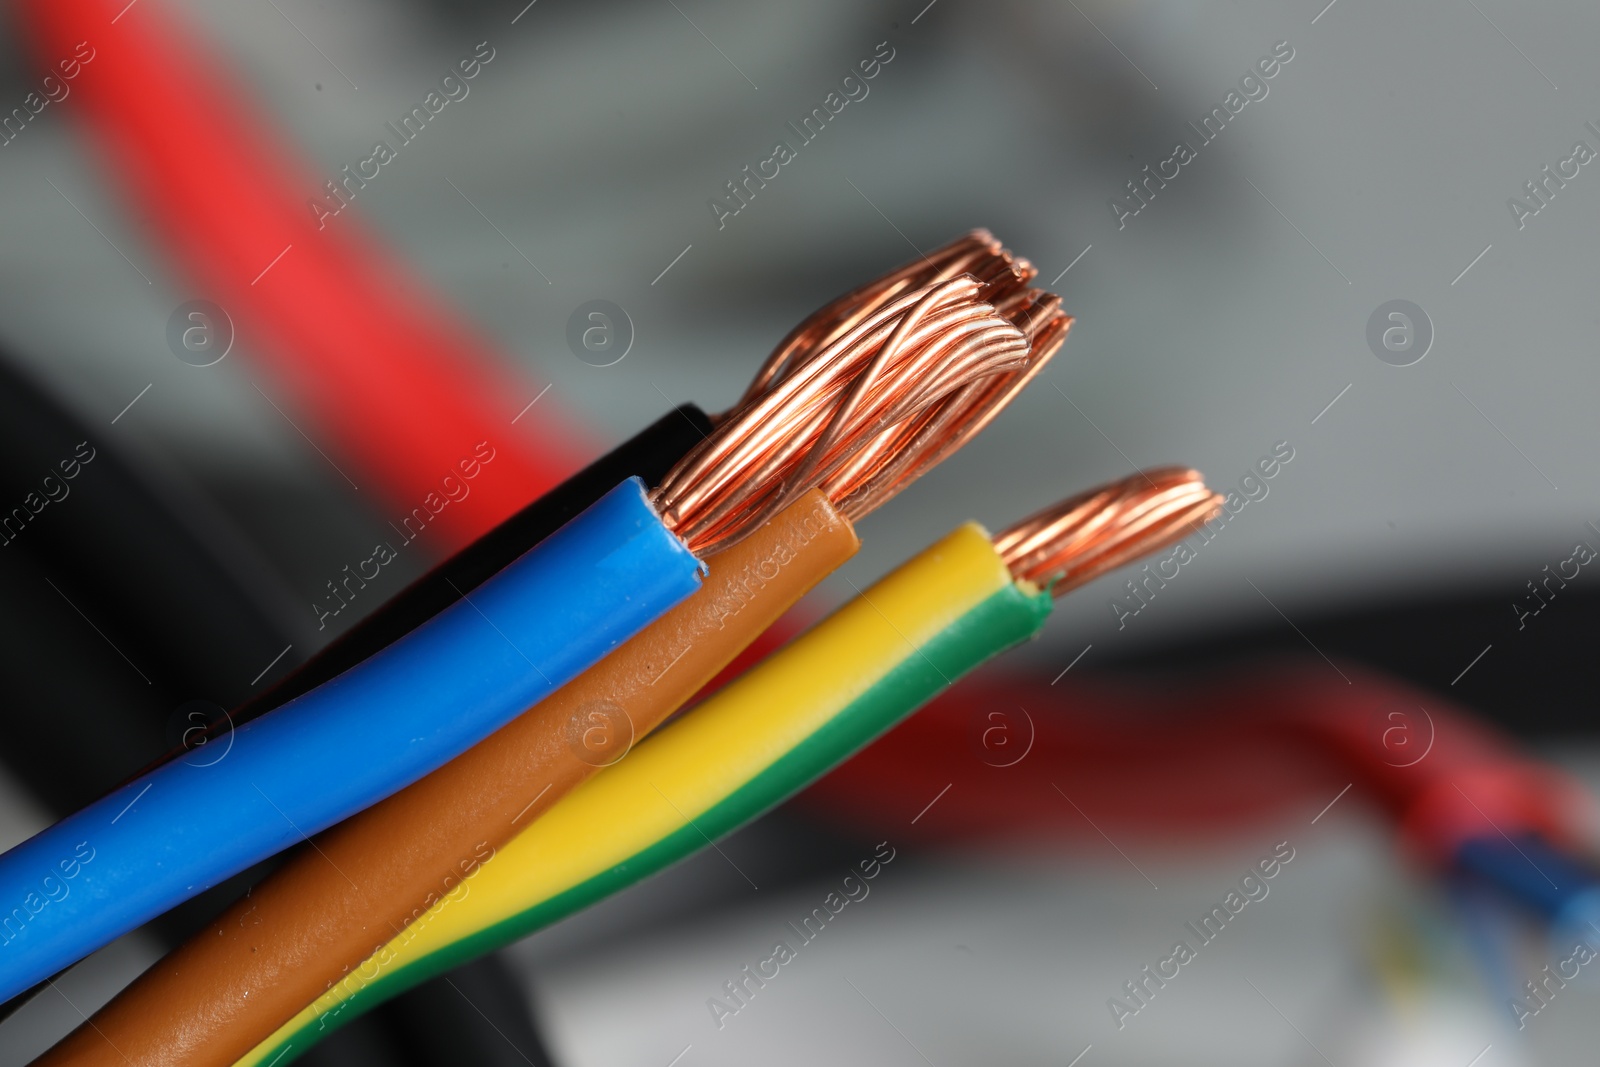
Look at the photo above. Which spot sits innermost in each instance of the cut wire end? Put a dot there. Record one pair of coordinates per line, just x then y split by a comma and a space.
870, 392
1070, 544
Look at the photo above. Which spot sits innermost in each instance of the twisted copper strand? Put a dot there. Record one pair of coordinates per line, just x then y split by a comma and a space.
976, 253
870, 392
1070, 544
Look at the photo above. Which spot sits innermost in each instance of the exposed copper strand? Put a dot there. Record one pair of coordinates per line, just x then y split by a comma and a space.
1072, 543
963, 255
870, 392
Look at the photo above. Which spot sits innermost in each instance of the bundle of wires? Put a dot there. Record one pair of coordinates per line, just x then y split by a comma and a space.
652, 453
887, 389
222, 617
865, 411
103, 757
175, 831
769, 733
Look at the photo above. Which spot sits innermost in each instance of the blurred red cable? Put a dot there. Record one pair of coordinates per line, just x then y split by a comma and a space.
1018, 756
1022, 758
389, 379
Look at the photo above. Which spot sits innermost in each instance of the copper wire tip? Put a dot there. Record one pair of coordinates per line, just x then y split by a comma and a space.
870, 392
1072, 543
976, 253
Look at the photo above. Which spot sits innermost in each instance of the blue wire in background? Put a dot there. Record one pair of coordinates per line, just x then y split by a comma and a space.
1562, 889
1531, 871
342, 747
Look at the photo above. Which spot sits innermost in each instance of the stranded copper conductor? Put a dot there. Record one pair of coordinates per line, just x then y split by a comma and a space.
843, 414
925, 399
1076, 541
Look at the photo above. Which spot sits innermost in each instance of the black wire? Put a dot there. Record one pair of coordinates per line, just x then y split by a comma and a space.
126, 598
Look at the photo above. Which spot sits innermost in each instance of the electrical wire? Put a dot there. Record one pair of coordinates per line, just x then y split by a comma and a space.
876, 374
314, 920
391, 379
1005, 277
1076, 541
1164, 762
767, 735
713, 769
1171, 758
442, 688
648, 455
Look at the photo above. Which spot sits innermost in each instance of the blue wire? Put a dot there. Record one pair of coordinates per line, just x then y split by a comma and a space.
1562, 889
1527, 868
344, 746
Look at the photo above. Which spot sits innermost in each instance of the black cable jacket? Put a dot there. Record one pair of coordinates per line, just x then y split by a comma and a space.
179, 601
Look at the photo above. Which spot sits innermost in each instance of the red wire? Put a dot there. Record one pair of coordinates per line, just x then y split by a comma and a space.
393, 382
1130, 759
1022, 758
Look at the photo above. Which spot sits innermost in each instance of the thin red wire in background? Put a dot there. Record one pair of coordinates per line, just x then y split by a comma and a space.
1139, 759
389, 379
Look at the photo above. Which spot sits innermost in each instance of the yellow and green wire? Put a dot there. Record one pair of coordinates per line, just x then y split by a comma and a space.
763, 738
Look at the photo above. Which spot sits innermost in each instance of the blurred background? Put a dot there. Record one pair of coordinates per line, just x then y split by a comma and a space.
1442, 470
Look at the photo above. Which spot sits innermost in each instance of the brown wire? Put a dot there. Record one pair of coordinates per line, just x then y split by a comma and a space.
870, 392
1072, 543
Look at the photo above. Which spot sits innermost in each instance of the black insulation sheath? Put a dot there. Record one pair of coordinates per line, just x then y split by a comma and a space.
125, 597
